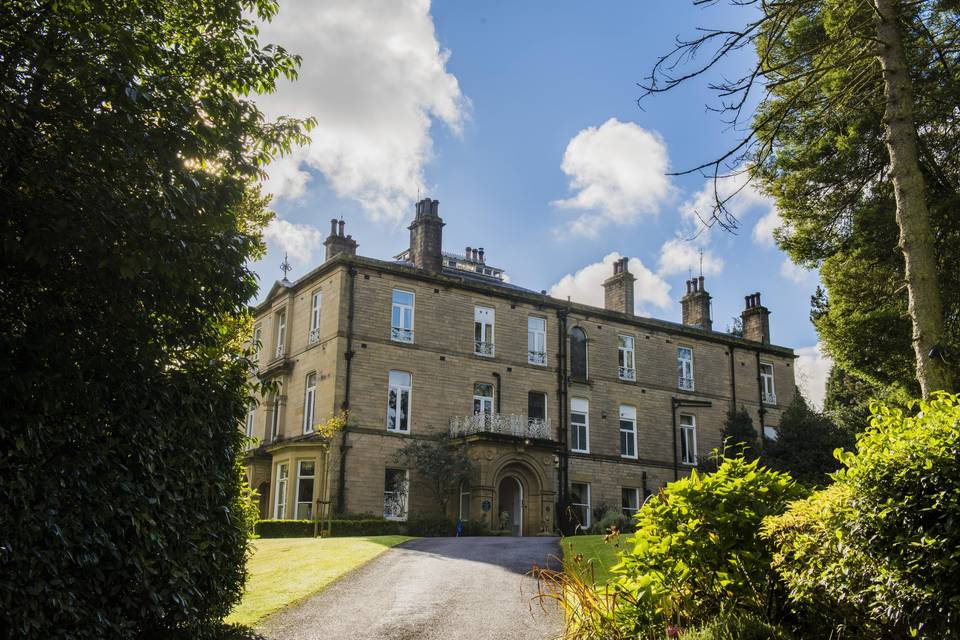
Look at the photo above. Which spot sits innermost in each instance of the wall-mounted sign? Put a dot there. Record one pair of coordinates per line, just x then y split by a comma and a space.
486, 506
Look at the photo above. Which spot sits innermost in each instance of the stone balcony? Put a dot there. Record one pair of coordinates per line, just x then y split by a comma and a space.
518, 426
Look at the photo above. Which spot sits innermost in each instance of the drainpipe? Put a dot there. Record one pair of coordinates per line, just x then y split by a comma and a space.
499, 387
345, 405
733, 382
762, 410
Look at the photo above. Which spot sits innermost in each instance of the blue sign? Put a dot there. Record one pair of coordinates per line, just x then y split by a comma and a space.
486, 506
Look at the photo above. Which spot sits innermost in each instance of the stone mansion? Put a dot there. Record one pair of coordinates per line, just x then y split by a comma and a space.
557, 403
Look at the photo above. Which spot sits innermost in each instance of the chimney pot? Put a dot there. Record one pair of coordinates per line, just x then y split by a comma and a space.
341, 224
480, 253
333, 226
468, 252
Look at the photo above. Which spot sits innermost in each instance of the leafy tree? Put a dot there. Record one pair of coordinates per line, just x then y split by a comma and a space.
441, 466
848, 399
880, 549
855, 122
130, 151
805, 444
738, 432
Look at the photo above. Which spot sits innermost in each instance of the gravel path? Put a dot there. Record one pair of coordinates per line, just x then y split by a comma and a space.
431, 588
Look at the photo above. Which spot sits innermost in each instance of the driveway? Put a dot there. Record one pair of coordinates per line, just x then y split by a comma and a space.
474, 588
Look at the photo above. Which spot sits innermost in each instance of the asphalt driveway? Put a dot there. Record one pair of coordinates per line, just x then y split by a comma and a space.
432, 588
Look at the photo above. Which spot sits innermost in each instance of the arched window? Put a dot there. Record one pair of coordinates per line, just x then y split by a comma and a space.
578, 354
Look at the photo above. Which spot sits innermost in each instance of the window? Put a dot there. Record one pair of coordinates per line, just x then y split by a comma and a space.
398, 402
628, 431
483, 331
464, 501
536, 340
579, 425
401, 316
305, 476
770, 432
314, 336
281, 332
685, 368
537, 406
578, 353
257, 342
280, 499
275, 419
629, 500
766, 383
688, 439
251, 417
627, 369
309, 401
482, 399
395, 494
580, 503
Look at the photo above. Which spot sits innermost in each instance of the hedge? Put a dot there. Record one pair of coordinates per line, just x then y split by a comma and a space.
421, 527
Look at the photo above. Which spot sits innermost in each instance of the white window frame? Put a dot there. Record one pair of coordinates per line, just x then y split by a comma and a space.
309, 402
251, 418
768, 390
580, 406
487, 403
280, 497
404, 499
537, 342
464, 492
275, 420
626, 358
297, 501
628, 413
685, 369
257, 342
281, 334
628, 511
399, 332
688, 437
400, 389
316, 302
588, 510
484, 317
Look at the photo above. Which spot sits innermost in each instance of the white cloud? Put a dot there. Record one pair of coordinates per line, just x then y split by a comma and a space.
763, 230
742, 198
812, 369
798, 274
586, 285
618, 173
298, 240
680, 256
375, 78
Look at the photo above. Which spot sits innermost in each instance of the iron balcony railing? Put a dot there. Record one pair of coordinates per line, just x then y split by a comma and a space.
314, 336
536, 357
399, 334
484, 348
511, 425
685, 383
628, 373
769, 398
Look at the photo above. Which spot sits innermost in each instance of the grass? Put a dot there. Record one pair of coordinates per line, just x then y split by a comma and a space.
284, 571
591, 557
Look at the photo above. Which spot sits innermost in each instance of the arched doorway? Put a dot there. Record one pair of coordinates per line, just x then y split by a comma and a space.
510, 501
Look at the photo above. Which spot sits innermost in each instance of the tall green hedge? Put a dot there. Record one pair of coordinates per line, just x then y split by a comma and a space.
130, 150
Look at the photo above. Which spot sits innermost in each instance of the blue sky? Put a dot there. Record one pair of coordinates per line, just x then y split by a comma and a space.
521, 119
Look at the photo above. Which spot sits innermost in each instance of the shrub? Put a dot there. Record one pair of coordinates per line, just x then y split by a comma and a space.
882, 547
805, 444
338, 529
697, 551
736, 627
429, 527
612, 518
739, 434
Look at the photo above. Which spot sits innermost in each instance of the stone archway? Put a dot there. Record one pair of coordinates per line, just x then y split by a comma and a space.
519, 491
510, 504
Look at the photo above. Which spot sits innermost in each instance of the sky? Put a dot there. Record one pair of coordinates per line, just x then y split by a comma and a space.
521, 118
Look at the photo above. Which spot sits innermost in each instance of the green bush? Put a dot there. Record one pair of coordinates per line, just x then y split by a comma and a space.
612, 518
882, 547
429, 527
697, 551
736, 627
338, 528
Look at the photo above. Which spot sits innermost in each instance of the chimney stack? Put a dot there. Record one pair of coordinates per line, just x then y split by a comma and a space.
695, 305
618, 288
337, 243
756, 319
426, 236
480, 254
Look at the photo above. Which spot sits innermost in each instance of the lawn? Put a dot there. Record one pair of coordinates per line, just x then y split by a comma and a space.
284, 571
596, 556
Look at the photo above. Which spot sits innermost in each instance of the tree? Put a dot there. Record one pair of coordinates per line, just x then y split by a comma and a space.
848, 399
805, 444
130, 150
837, 79
738, 433
441, 466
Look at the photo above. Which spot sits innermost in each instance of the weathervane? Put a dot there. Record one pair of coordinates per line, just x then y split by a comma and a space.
285, 266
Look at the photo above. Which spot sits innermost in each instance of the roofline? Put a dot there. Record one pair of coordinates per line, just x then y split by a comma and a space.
496, 288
